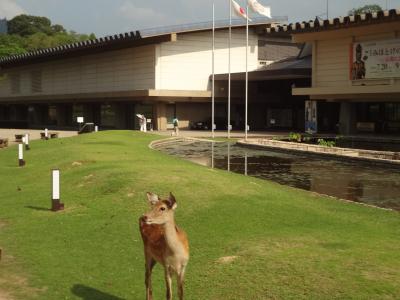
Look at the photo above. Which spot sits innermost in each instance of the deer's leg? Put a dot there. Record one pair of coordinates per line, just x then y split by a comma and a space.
150, 262
168, 282
181, 276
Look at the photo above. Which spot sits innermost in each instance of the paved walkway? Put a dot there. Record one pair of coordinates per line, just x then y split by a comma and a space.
33, 134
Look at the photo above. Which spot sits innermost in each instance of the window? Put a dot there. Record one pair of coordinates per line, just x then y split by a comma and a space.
107, 115
392, 112
77, 111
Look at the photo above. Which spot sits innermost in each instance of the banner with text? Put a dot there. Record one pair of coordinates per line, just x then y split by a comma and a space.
376, 59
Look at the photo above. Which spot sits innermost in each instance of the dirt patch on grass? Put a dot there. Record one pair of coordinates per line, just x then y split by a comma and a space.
20, 285
5, 296
227, 259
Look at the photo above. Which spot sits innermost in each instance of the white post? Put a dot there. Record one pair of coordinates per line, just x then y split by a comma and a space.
27, 141
229, 70
21, 161
56, 204
213, 73
96, 128
247, 73
46, 134
55, 185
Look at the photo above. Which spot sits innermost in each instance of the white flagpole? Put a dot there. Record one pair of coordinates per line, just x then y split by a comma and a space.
247, 74
229, 70
213, 72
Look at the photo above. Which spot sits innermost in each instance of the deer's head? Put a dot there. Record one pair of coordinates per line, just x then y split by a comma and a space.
162, 210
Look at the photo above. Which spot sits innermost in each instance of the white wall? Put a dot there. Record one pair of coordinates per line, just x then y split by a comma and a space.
187, 65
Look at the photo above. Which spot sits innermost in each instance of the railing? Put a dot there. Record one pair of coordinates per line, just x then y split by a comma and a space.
207, 25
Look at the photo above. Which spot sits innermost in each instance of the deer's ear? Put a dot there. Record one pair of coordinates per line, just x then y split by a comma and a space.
172, 202
152, 198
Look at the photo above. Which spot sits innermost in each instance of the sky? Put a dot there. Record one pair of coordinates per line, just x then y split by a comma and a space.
104, 17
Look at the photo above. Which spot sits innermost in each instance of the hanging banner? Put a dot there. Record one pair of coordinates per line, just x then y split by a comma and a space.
375, 60
311, 125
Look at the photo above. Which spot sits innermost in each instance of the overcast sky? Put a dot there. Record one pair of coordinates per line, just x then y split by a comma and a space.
105, 17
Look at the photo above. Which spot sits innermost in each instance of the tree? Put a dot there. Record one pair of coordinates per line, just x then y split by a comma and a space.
58, 29
29, 33
11, 44
25, 25
365, 9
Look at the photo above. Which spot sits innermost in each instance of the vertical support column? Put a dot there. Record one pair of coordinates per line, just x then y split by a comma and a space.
61, 115
347, 118
161, 115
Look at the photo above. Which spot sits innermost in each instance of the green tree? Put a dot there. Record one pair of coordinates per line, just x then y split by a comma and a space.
29, 33
11, 44
25, 25
365, 9
58, 29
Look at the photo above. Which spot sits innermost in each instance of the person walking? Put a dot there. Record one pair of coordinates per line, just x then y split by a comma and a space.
175, 121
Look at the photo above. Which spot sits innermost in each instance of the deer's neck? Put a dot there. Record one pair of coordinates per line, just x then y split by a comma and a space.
171, 236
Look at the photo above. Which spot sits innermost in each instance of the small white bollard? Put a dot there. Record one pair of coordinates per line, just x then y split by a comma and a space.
21, 161
56, 205
27, 142
96, 128
46, 134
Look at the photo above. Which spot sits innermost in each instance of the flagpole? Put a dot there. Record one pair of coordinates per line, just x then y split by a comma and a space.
247, 73
229, 70
213, 72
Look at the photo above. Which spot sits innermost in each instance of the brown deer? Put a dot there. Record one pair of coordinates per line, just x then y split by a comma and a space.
164, 243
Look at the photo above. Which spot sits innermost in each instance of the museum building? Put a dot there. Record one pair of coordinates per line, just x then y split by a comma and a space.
159, 74
355, 71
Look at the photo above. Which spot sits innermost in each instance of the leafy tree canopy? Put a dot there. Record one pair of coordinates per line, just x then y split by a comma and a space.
27, 33
365, 9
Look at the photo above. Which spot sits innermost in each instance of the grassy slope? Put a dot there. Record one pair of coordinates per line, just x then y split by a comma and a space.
289, 243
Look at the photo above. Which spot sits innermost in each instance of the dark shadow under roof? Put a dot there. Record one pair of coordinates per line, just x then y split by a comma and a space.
289, 68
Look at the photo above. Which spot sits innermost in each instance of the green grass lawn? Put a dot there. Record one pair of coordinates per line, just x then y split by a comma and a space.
284, 243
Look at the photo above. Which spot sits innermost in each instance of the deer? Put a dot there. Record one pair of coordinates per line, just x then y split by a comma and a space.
164, 242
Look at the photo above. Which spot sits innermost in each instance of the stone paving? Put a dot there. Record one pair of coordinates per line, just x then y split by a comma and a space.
33, 134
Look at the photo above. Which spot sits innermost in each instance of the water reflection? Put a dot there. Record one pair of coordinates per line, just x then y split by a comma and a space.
372, 184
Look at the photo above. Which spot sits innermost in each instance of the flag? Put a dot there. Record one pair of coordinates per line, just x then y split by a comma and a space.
260, 9
239, 11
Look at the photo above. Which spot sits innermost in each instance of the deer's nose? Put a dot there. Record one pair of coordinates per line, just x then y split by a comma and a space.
144, 217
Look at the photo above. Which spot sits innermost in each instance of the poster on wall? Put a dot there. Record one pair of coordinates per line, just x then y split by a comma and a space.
375, 60
311, 125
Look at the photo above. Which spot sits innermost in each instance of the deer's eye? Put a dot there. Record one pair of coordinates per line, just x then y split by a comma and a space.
162, 208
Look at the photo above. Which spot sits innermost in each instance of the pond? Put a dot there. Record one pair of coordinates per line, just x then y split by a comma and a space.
377, 185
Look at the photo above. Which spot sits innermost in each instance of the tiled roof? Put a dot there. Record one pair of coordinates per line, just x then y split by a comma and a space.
338, 23
85, 45
117, 41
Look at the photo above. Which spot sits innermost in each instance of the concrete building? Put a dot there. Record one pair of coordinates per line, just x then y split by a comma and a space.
355, 71
110, 80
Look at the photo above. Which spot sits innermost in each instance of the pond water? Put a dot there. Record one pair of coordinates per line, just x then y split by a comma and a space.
377, 185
